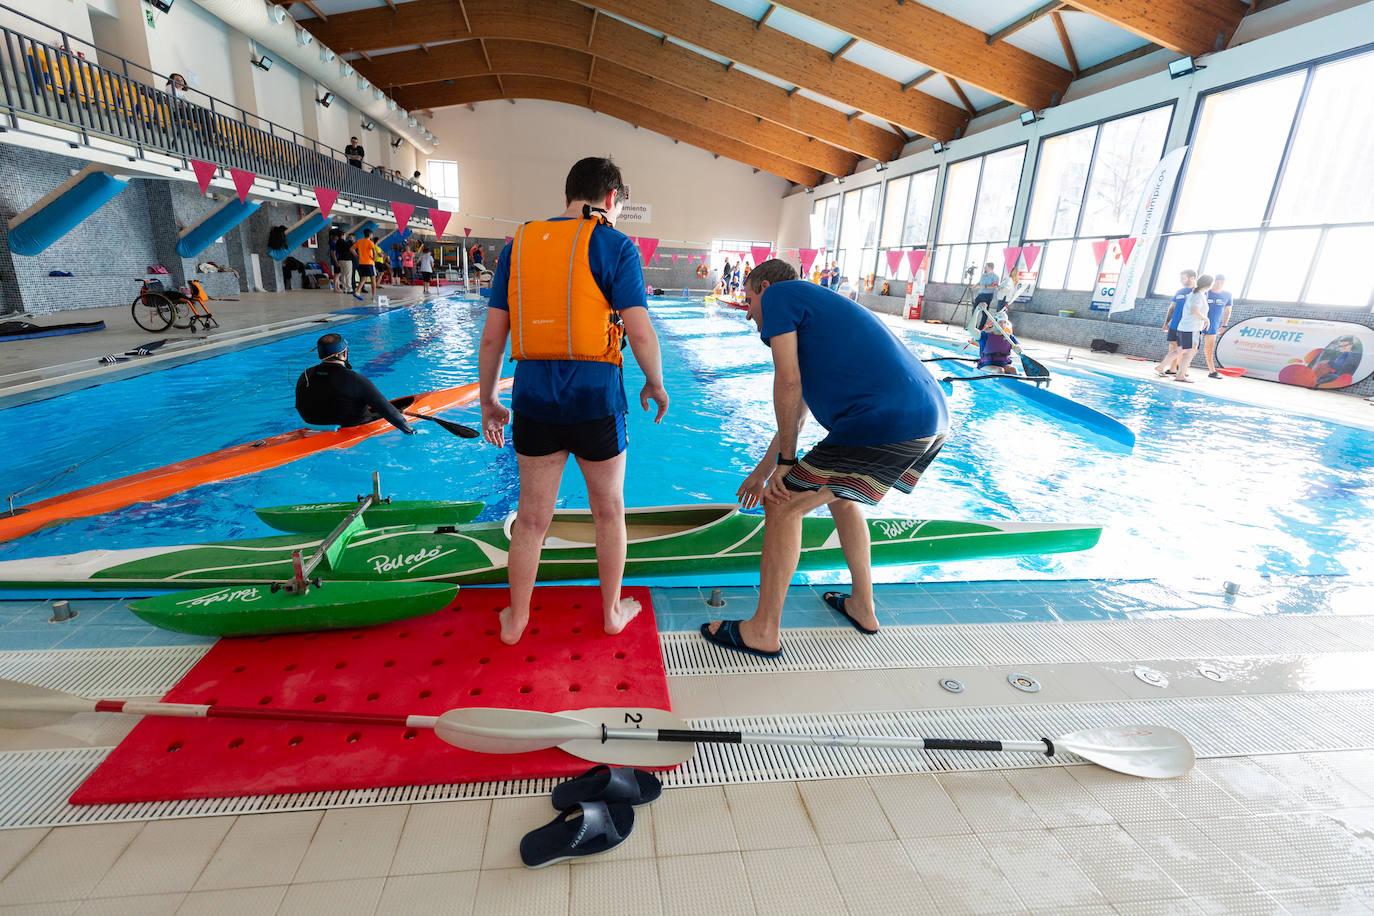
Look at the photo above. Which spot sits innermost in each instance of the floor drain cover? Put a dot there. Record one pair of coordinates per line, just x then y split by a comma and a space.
1024, 682
952, 685
1211, 674
1151, 677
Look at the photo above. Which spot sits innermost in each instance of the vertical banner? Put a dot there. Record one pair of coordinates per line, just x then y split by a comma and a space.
647, 247
402, 213
1010, 256
1148, 225
1108, 273
808, 257
326, 197
440, 220
1025, 279
243, 183
760, 253
204, 172
894, 258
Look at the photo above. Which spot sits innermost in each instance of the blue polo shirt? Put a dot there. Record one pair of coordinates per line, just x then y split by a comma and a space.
1180, 306
576, 390
1217, 304
859, 381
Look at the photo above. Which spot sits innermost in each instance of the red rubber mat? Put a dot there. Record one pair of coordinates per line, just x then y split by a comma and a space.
423, 666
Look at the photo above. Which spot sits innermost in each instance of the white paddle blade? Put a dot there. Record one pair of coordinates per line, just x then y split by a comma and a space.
642, 751
1151, 751
490, 730
27, 706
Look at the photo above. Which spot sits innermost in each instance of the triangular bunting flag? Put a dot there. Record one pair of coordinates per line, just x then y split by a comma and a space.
647, 248
1030, 253
808, 257
915, 259
509, 239
243, 183
1127, 246
1100, 250
440, 220
894, 258
674, 260
1011, 256
326, 198
204, 172
467, 230
760, 253
402, 213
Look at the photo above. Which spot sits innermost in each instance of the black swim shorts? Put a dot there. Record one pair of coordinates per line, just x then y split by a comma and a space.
366, 270
864, 474
595, 440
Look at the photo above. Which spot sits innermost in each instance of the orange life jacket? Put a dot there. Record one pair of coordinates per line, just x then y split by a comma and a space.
556, 309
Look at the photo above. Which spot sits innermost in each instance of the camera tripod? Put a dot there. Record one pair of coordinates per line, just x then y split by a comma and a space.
966, 297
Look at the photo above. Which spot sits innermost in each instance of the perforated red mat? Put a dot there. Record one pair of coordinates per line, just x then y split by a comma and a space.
423, 666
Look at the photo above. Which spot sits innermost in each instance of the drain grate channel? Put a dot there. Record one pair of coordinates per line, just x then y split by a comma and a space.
97, 673
34, 785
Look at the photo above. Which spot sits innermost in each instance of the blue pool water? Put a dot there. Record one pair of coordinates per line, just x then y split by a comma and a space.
1213, 489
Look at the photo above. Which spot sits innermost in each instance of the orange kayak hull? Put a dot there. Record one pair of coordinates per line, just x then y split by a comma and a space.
225, 464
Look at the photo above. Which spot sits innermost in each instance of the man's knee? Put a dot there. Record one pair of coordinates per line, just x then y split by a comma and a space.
533, 521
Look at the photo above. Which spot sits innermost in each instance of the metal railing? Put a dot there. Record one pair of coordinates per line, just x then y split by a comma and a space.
119, 100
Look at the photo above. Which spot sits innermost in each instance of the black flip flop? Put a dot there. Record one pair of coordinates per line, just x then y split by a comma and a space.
836, 602
608, 784
582, 830
728, 637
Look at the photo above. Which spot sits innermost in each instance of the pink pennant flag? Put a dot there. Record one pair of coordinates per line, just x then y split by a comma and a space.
440, 220
1127, 246
402, 213
1100, 250
808, 257
326, 198
894, 258
916, 259
760, 253
647, 248
467, 230
674, 260
204, 172
1011, 256
509, 239
243, 182
1030, 253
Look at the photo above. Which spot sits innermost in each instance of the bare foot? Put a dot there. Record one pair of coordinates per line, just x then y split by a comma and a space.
626, 609
511, 628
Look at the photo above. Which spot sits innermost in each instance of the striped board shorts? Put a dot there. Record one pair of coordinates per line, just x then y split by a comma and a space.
864, 474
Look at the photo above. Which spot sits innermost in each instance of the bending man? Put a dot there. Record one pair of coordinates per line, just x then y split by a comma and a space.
566, 292
886, 419
332, 394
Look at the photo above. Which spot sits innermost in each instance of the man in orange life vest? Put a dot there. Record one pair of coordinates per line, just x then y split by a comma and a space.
566, 291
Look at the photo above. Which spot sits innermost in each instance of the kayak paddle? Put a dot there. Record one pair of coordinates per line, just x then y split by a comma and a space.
458, 429
618, 735
1028, 366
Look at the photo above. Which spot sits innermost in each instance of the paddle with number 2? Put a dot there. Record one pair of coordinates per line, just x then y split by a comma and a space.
618, 735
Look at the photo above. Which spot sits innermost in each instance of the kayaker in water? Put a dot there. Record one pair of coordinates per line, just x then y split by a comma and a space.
566, 293
332, 394
886, 418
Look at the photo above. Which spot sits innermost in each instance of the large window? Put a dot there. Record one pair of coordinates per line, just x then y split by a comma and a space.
1276, 194
443, 183
906, 219
975, 214
825, 229
859, 233
1087, 187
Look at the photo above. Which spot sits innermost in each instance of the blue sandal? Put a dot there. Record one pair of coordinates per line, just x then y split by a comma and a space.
836, 602
728, 637
582, 830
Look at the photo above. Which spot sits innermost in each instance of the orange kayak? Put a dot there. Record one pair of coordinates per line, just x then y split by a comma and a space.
224, 464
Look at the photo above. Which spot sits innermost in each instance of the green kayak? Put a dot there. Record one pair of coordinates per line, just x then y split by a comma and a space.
663, 541
324, 516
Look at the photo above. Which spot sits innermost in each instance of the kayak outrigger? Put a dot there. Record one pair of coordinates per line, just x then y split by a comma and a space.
358, 562
224, 464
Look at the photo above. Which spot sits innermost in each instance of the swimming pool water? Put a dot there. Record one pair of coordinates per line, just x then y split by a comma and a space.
1213, 488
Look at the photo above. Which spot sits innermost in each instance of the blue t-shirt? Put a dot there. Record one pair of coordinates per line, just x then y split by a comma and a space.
859, 381
1180, 306
577, 390
1217, 303
987, 283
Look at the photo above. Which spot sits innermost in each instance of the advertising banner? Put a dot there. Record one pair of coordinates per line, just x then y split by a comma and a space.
1148, 224
1108, 273
636, 213
1307, 352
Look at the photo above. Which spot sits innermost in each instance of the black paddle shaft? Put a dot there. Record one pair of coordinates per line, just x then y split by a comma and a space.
706, 736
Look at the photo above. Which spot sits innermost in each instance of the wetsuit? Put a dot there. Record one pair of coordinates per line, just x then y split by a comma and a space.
332, 394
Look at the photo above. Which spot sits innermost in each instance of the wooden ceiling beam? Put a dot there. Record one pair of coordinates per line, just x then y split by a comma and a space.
959, 91
722, 31
943, 43
1065, 43
484, 88
1192, 27
1018, 25
562, 23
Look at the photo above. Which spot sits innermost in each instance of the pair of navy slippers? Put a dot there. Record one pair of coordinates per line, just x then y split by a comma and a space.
596, 814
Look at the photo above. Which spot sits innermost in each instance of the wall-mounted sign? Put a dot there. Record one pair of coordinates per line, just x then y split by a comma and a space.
636, 213
1300, 351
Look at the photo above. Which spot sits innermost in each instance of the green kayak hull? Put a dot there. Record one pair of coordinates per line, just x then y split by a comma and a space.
663, 541
257, 610
324, 516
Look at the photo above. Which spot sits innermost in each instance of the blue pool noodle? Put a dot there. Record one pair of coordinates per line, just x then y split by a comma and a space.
35, 233
299, 233
200, 236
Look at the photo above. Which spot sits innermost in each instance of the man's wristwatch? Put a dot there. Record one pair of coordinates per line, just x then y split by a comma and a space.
787, 461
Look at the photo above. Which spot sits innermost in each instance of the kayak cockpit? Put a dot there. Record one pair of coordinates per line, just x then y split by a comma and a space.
573, 528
